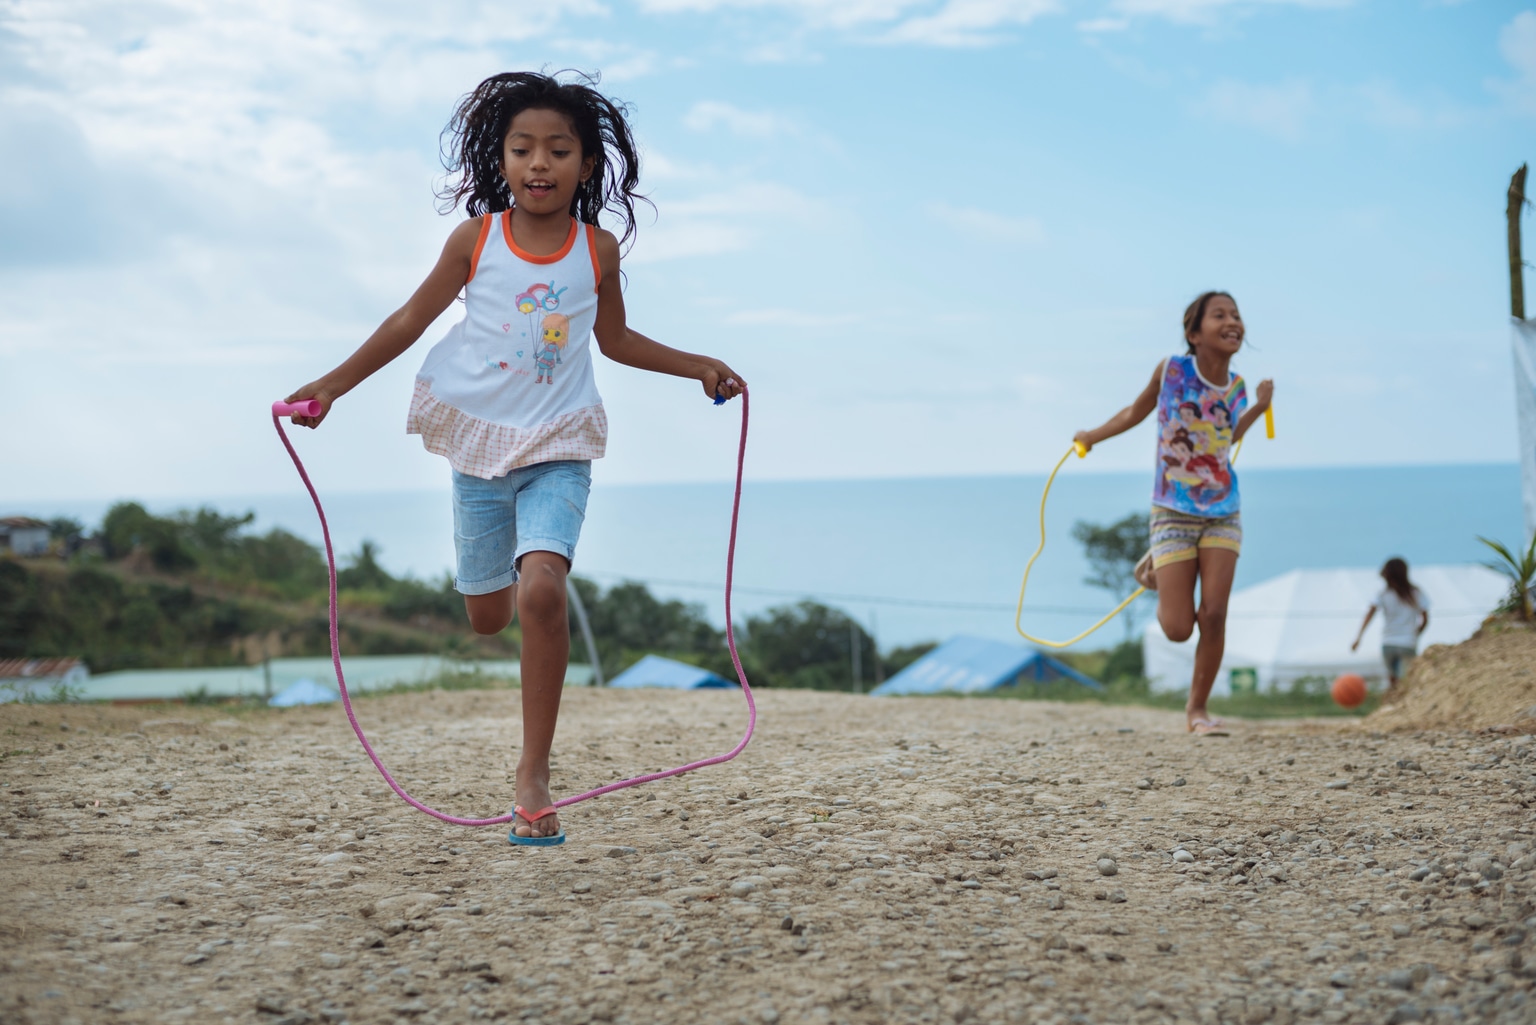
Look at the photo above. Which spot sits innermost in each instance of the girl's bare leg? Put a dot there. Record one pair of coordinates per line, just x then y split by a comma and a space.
540, 596
1176, 599
1217, 567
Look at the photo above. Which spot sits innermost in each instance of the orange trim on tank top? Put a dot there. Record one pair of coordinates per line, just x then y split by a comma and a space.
485, 233
555, 257
597, 270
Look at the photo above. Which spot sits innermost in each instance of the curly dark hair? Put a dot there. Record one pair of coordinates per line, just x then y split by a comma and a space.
471, 145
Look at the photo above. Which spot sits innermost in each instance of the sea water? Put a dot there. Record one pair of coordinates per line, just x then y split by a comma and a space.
922, 559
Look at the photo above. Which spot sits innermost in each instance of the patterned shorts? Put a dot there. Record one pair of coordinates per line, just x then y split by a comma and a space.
1178, 537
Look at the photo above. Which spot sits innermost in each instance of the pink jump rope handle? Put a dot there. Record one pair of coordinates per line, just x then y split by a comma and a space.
303, 407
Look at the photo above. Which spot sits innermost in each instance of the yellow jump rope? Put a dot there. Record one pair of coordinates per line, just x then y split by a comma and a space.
1082, 452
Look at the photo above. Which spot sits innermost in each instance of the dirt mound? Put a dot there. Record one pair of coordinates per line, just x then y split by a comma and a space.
1485, 682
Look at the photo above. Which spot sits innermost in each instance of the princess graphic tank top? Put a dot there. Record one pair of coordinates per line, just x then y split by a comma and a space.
1194, 440
511, 384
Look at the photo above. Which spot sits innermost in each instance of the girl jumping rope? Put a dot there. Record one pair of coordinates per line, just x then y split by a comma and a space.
1196, 528
534, 161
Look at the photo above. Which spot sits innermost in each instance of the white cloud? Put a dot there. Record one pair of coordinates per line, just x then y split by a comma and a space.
1097, 25
947, 23
1278, 110
1517, 44
1206, 11
708, 115
722, 220
987, 224
970, 22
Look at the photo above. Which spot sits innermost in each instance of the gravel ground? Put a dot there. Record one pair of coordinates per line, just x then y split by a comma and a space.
866, 860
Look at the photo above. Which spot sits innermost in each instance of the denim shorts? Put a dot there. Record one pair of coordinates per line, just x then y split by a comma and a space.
537, 508
1397, 658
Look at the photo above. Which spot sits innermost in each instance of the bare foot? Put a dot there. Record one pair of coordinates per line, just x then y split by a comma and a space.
533, 796
1202, 723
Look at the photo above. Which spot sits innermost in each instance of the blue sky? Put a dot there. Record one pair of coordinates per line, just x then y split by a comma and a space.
937, 236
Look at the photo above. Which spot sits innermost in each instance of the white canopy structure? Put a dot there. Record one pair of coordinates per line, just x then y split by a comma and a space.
1300, 623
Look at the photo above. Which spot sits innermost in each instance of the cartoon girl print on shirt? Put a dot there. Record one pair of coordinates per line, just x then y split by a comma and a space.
537, 304
554, 335
1195, 440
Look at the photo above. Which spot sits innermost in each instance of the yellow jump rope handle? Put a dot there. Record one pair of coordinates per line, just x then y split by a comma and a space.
1269, 422
1080, 449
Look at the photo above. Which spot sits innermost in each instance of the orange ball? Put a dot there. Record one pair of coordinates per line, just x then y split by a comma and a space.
1349, 690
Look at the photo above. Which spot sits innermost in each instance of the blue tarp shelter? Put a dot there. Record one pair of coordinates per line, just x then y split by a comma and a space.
655, 671
966, 665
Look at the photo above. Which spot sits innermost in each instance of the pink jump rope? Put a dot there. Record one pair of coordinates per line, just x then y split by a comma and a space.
311, 407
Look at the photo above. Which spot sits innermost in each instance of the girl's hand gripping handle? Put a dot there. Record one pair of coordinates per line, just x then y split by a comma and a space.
303, 407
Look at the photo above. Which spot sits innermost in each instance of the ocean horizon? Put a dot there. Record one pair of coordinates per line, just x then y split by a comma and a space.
918, 559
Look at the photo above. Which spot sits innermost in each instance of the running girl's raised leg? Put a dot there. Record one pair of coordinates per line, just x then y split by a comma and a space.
1176, 598
1217, 568
490, 613
540, 595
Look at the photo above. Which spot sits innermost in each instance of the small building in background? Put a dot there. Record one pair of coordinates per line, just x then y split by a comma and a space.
22, 535
22, 679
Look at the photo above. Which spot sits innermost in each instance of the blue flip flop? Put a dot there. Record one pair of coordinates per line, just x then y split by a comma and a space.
534, 841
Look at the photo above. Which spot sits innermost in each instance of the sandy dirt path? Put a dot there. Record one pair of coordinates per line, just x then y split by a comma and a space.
898, 860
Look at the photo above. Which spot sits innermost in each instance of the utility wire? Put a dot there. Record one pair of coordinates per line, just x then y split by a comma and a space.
970, 606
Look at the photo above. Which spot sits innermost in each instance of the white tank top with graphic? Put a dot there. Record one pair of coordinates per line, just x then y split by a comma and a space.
511, 384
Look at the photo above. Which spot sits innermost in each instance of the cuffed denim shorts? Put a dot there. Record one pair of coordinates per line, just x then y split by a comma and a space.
537, 508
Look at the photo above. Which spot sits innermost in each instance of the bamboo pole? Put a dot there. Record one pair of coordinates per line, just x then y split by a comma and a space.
1516, 263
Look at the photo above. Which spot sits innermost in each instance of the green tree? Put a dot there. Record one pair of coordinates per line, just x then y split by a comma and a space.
1113, 552
363, 571
809, 645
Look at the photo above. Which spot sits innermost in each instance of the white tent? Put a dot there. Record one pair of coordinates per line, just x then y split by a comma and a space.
1524, 344
1300, 623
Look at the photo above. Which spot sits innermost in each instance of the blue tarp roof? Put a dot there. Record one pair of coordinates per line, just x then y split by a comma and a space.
655, 671
965, 665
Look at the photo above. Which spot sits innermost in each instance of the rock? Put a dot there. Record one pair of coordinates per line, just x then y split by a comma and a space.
1143, 784
1108, 867
1404, 1013
1179, 781
1182, 856
620, 852
1401, 978
271, 1003
329, 960
1338, 784
1341, 979
192, 959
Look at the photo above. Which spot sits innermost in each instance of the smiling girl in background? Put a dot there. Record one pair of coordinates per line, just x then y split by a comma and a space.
1196, 527
534, 161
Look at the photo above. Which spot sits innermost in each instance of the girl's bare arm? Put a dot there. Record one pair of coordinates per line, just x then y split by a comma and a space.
1262, 394
1128, 417
622, 344
400, 329
1370, 612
